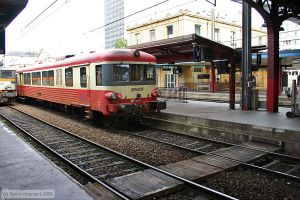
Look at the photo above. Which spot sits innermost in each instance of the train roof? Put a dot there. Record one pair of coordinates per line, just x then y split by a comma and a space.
7, 68
118, 55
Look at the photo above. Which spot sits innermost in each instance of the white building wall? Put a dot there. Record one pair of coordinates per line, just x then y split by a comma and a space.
290, 37
184, 24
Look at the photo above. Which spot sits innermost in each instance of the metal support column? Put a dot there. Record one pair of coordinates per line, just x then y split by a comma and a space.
232, 71
246, 57
273, 66
212, 77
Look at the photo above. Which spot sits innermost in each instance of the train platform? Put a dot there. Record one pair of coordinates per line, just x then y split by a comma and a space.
221, 111
26, 174
211, 119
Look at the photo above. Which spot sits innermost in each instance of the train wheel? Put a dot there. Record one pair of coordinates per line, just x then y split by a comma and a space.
109, 121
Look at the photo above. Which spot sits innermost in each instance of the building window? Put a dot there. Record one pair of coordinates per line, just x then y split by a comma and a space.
197, 29
259, 40
83, 80
98, 75
137, 38
170, 31
232, 39
198, 69
152, 35
58, 77
170, 80
69, 77
217, 34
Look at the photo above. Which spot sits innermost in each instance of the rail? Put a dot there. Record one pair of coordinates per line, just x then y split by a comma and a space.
216, 155
206, 190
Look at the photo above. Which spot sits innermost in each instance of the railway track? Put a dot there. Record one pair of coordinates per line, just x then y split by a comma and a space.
276, 163
97, 162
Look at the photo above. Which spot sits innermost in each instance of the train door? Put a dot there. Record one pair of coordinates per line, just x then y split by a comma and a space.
20, 80
95, 81
84, 85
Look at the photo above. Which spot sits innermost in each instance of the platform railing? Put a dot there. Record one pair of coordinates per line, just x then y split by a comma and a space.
176, 93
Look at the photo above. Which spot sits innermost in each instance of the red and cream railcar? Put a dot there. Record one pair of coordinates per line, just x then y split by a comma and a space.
112, 83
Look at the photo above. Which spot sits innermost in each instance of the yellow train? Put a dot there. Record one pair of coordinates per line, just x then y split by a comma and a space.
8, 88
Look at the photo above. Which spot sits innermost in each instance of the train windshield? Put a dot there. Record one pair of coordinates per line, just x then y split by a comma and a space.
133, 72
7, 73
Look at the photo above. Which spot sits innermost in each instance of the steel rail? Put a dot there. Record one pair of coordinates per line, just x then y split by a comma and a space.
206, 190
228, 143
216, 155
119, 194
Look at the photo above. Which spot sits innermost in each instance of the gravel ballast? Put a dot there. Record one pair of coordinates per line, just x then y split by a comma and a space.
243, 183
142, 149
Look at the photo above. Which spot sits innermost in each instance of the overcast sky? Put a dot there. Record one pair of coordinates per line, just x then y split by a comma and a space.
65, 27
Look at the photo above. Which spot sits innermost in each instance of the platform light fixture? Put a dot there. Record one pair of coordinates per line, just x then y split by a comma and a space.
265, 25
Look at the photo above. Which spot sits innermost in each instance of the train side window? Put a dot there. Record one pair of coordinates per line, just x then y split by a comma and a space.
58, 77
7, 74
83, 80
27, 78
51, 78
98, 75
33, 81
69, 77
36, 78
44, 78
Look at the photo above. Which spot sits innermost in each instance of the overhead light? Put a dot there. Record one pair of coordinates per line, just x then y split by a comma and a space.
265, 25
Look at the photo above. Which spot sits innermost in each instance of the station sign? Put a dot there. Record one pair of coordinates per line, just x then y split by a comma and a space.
202, 53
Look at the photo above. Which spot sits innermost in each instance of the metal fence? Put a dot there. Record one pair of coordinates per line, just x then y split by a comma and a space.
176, 93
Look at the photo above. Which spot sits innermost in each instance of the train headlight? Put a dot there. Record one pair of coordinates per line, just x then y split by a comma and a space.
113, 96
120, 96
154, 93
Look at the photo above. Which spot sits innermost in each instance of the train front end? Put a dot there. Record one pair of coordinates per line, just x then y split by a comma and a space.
131, 89
8, 90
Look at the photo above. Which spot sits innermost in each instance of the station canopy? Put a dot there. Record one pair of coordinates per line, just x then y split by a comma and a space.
292, 6
181, 49
9, 9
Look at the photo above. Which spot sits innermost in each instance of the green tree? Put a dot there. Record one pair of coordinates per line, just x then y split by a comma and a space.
120, 43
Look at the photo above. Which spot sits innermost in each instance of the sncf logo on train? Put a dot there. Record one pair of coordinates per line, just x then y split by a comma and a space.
137, 89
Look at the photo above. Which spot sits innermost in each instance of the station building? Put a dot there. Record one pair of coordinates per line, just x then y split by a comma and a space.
195, 76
